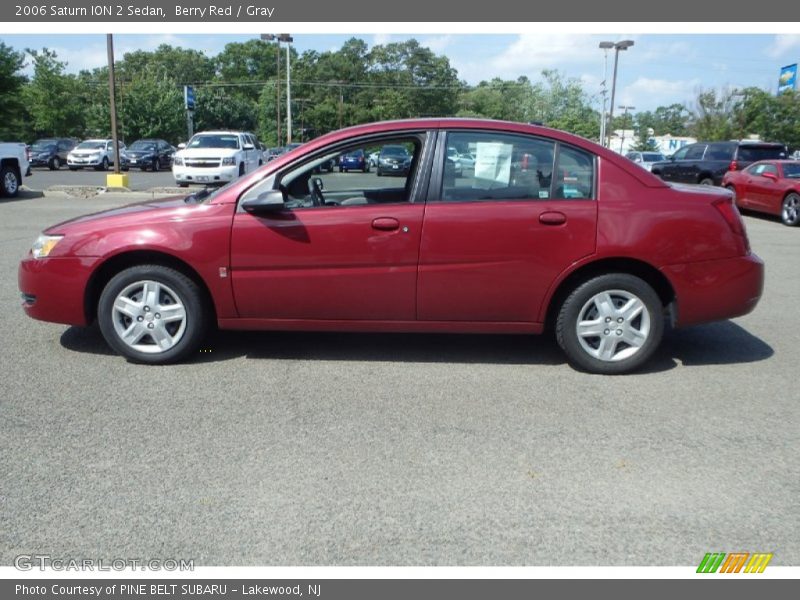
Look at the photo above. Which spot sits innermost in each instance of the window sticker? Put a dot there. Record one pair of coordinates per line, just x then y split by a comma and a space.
493, 162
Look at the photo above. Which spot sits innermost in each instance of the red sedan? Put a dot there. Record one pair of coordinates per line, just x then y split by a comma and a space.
547, 231
769, 186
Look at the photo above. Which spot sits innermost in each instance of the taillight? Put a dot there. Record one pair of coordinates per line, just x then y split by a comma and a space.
733, 166
733, 218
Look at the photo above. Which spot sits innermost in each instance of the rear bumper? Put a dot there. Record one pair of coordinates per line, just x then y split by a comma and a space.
717, 289
53, 289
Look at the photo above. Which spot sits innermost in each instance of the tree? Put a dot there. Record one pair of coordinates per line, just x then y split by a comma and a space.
713, 117
11, 84
52, 98
151, 107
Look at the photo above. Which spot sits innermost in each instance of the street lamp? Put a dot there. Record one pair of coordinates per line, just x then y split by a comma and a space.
622, 45
284, 37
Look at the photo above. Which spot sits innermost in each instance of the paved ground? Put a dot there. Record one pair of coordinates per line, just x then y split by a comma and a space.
300, 449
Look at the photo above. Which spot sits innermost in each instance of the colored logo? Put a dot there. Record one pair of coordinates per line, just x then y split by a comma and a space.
735, 562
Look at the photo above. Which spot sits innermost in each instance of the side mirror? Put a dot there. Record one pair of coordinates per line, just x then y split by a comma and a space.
249, 147
769, 175
181, 146
271, 201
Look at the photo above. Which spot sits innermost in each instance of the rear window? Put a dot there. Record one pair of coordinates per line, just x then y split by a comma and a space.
791, 171
754, 153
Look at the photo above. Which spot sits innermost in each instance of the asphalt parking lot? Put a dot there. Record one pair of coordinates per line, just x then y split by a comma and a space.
312, 449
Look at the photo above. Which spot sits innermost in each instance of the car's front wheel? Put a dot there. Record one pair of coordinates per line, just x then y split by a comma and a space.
152, 314
610, 324
9, 177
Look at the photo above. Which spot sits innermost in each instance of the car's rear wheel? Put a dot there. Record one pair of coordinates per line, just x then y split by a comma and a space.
610, 324
790, 209
55, 164
152, 314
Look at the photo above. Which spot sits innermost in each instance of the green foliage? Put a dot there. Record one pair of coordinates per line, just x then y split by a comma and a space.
51, 98
12, 111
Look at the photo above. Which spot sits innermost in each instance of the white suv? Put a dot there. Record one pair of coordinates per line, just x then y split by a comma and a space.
216, 157
98, 154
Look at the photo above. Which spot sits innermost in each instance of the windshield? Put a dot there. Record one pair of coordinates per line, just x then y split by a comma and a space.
92, 145
142, 146
214, 141
394, 151
43, 146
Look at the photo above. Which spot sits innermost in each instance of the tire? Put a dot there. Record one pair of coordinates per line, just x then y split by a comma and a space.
155, 165
241, 169
618, 346
341, 170
55, 164
152, 314
706, 181
103, 166
73, 168
10, 181
790, 210
378, 173
183, 184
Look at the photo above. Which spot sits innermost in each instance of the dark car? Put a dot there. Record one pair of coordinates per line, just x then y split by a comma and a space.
51, 152
707, 162
393, 160
551, 232
150, 154
354, 161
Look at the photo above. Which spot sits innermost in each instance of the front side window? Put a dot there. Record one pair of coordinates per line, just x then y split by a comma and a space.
318, 184
695, 152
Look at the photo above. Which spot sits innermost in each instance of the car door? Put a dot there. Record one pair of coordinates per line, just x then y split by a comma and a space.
762, 185
353, 259
496, 237
670, 170
689, 168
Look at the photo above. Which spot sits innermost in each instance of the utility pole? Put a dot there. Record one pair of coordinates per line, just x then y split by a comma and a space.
113, 100
269, 37
623, 45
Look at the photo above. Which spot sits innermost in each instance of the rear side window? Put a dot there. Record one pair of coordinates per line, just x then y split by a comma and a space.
754, 153
574, 174
506, 167
695, 152
720, 152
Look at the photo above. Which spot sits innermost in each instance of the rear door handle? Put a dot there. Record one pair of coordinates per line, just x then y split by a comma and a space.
386, 224
552, 218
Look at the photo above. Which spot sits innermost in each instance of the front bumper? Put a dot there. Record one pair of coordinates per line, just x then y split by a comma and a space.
210, 175
84, 162
53, 289
716, 290
41, 162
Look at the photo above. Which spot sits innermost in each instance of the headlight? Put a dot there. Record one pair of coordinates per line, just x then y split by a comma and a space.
177, 161
44, 244
229, 160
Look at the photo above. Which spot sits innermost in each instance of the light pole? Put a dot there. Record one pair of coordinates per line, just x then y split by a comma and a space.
270, 37
284, 37
622, 45
622, 139
606, 46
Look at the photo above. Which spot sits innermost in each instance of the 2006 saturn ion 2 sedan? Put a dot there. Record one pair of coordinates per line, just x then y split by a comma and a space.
548, 231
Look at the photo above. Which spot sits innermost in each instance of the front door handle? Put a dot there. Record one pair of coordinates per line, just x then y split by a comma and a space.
386, 224
552, 218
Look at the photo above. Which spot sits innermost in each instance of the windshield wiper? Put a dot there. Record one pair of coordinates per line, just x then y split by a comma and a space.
198, 197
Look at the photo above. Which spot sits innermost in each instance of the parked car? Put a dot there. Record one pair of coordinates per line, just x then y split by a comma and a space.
51, 152
455, 161
707, 162
582, 241
215, 157
150, 154
645, 159
373, 158
98, 154
771, 187
393, 160
273, 153
354, 161
13, 166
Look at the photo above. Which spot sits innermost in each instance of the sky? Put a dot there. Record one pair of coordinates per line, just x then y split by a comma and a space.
658, 70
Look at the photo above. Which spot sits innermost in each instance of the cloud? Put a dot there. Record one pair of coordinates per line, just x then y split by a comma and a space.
781, 44
646, 93
381, 39
438, 43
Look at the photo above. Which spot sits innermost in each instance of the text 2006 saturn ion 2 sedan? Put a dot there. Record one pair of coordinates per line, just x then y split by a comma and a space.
548, 230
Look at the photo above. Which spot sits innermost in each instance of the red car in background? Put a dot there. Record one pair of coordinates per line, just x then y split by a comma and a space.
769, 186
548, 231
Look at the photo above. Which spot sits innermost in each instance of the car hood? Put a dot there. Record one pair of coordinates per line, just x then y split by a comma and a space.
205, 152
116, 216
83, 152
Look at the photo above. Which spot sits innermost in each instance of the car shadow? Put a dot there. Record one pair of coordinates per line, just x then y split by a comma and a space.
713, 344
23, 195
